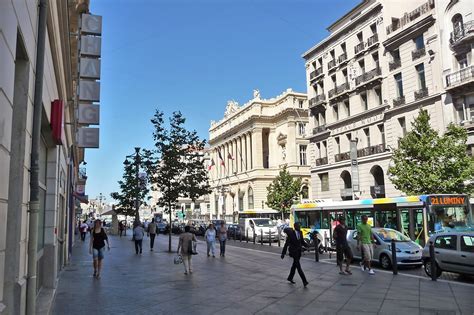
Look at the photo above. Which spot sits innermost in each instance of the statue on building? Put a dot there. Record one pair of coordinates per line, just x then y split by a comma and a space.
256, 94
232, 107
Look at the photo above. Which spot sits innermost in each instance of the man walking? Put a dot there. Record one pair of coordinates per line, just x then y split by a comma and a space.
364, 236
152, 233
138, 234
83, 227
294, 243
342, 248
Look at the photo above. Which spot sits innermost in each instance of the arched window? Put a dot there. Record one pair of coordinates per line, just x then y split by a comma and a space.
305, 192
346, 192
378, 189
458, 26
250, 198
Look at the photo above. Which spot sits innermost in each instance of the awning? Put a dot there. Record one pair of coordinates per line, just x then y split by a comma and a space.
82, 199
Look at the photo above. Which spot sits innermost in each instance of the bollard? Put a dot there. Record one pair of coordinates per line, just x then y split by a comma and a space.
235, 234
394, 258
240, 234
270, 239
254, 234
279, 238
316, 247
433, 262
261, 237
247, 235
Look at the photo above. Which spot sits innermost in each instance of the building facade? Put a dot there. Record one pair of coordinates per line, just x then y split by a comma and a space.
366, 83
250, 145
22, 289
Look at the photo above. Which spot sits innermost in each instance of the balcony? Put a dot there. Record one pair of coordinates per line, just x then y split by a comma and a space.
322, 161
342, 156
374, 39
317, 101
395, 64
375, 149
338, 90
418, 53
346, 193
377, 191
461, 80
319, 129
359, 48
461, 34
399, 101
331, 64
422, 93
315, 74
342, 58
368, 76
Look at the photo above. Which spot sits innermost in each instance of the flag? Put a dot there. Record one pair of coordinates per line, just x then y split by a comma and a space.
220, 157
230, 157
211, 165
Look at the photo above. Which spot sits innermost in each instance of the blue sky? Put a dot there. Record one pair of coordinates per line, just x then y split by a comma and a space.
193, 56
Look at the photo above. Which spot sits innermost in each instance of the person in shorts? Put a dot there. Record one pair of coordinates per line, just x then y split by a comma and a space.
342, 248
365, 237
97, 246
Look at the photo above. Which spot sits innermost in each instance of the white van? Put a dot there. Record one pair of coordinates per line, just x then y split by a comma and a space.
259, 226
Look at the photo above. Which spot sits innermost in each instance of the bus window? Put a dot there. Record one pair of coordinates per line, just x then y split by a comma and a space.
326, 220
449, 218
386, 219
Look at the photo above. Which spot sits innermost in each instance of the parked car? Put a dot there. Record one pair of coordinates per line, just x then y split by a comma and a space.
217, 223
408, 252
233, 230
454, 252
258, 227
163, 228
177, 228
199, 229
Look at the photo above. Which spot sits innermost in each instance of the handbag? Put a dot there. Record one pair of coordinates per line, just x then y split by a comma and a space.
192, 247
178, 259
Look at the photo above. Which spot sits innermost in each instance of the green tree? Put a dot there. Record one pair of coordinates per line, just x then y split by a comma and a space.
429, 163
132, 188
283, 191
178, 165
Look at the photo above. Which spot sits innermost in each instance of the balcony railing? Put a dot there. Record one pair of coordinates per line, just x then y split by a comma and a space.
399, 101
339, 89
418, 53
368, 76
422, 93
322, 161
317, 100
373, 40
342, 58
395, 64
359, 47
374, 149
332, 64
460, 77
377, 191
346, 192
407, 17
463, 31
319, 129
316, 73
342, 156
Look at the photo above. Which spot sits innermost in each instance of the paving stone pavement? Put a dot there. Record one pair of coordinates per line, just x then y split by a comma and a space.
246, 281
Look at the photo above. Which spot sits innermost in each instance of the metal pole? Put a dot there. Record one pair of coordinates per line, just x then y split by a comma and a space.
137, 177
247, 235
279, 237
34, 171
433, 262
394, 257
253, 230
316, 247
270, 240
169, 233
261, 237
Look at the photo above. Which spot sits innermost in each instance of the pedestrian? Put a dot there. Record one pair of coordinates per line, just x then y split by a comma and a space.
152, 233
83, 228
222, 238
121, 228
342, 247
138, 234
185, 244
364, 236
210, 237
294, 243
97, 246
90, 224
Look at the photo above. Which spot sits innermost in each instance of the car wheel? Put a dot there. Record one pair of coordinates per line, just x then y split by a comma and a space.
385, 261
427, 267
321, 249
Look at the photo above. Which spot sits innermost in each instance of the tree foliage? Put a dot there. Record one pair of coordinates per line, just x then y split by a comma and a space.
283, 191
429, 163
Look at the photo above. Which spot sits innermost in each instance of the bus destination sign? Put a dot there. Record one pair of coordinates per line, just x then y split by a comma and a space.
447, 200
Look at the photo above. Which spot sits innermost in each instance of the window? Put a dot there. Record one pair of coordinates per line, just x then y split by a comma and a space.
419, 42
322, 119
344, 74
363, 98
382, 133
462, 61
458, 26
362, 66
343, 47
338, 145
420, 69
303, 160
320, 61
349, 137
325, 147
367, 136
467, 243
300, 103
373, 28
348, 108
403, 126
396, 55
241, 201
333, 79
318, 146
332, 54
399, 84
446, 242
360, 37
324, 179
250, 198
301, 129
375, 57
336, 111
378, 93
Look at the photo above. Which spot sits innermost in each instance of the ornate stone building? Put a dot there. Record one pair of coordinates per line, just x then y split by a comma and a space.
250, 145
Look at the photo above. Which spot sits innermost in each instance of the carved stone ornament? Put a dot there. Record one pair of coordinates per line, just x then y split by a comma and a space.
232, 107
256, 94
281, 138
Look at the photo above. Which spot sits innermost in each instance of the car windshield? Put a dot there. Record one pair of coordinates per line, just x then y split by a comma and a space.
263, 222
387, 235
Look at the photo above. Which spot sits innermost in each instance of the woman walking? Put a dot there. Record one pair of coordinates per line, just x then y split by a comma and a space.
97, 246
222, 238
186, 240
210, 237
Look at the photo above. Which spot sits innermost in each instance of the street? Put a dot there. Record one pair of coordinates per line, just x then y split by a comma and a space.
246, 281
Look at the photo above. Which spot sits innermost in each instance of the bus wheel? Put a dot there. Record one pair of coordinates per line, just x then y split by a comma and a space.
385, 261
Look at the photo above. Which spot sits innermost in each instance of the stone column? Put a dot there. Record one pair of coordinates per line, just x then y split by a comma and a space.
257, 149
292, 153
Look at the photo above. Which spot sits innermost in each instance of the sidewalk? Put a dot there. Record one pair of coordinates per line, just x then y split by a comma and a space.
244, 282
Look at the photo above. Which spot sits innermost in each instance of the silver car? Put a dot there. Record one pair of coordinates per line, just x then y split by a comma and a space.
408, 252
454, 252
